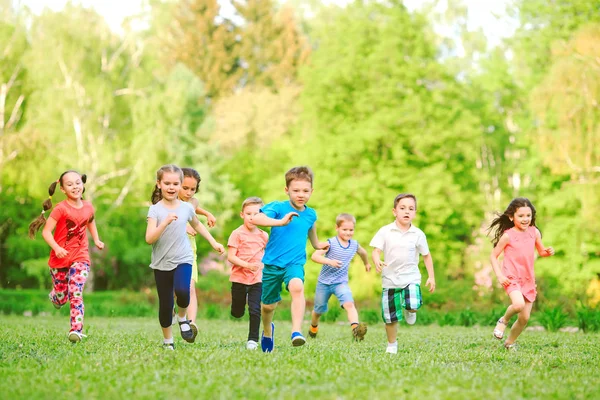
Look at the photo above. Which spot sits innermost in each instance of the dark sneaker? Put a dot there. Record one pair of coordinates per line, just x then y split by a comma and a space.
189, 335
194, 328
168, 346
359, 332
268, 344
312, 331
298, 339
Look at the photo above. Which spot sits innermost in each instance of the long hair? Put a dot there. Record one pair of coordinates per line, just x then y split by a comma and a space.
502, 222
192, 173
37, 223
169, 168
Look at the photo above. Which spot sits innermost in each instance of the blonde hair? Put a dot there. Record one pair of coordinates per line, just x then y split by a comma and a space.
344, 218
250, 201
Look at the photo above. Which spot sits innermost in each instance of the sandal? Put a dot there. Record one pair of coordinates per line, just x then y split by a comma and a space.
499, 334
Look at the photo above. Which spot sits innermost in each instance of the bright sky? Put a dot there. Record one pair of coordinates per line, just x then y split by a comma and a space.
481, 12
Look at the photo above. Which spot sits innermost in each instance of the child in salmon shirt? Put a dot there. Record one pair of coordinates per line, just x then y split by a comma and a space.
246, 249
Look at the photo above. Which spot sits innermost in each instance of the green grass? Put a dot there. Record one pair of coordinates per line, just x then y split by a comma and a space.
122, 358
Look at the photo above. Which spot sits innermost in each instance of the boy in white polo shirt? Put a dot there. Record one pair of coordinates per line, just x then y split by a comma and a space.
401, 243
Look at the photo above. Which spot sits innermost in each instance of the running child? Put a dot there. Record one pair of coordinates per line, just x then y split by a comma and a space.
190, 186
516, 234
69, 258
171, 250
401, 243
246, 247
333, 279
285, 255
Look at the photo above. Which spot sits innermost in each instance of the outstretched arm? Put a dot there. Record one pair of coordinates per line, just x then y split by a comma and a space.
314, 240
262, 220
201, 229
542, 251
362, 253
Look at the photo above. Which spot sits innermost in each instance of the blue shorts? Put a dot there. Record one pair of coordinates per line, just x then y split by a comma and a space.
323, 293
274, 276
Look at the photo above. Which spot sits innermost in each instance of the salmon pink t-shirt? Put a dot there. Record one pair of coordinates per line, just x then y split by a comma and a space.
247, 246
70, 233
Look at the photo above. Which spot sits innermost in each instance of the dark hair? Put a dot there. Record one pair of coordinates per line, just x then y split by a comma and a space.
503, 221
250, 201
302, 173
37, 223
344, 218
403, 196
170, 168
192, 173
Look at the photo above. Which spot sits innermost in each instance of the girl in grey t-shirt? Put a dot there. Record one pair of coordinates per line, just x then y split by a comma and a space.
171, 250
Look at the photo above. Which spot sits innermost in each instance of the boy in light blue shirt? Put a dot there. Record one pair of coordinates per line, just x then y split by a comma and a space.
285, 255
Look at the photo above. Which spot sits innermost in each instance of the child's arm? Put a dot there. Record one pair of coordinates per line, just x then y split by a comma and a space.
153, 232
314, 240
364, 256
235, 260
504, 240
319, 257
94, 232
431, 275
198, 227
542, 251
262, 220
376, 256
47, 235
211, 220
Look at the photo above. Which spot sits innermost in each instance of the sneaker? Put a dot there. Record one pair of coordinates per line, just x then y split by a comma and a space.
251, 345
75, 337
194, 328
189, 335
297, 339
168, 346
409, 317
268, 344
392, 348
312, 331
359, 331
57, 306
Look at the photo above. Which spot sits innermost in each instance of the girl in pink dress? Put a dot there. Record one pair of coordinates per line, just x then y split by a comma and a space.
516, 235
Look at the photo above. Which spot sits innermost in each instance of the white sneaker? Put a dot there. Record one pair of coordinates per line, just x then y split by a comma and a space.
409, 317
75, 336
392, 348
251, 345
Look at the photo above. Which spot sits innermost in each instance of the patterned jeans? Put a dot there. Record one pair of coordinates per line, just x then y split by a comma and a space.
68, 285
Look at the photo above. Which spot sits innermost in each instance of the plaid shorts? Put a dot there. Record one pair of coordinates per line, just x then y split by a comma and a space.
393, 300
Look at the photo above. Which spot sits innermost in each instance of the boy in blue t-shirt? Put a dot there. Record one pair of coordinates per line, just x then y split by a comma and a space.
333, 279
285, 254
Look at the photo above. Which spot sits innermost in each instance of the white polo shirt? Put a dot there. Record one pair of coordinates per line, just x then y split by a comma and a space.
400, 254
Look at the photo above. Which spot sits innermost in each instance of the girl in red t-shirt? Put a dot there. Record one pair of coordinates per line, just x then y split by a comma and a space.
69, 258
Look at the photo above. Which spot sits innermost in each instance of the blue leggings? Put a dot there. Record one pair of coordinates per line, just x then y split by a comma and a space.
177, 280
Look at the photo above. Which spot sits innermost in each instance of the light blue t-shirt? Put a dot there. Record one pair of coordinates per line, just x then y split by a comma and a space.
287, 244
330, 275
173, 246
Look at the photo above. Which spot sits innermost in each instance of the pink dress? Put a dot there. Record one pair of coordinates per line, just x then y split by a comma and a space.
519, 255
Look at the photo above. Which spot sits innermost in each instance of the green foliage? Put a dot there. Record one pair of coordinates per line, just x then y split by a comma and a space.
552, 319
589, 319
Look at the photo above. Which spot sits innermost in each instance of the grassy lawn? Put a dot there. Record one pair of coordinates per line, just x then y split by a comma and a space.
122, 358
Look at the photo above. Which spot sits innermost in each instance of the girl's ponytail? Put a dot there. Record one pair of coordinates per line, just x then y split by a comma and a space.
156, 195
500, 224
47, 205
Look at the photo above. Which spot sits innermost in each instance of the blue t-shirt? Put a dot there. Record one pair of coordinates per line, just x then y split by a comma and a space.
330, 275
287, 244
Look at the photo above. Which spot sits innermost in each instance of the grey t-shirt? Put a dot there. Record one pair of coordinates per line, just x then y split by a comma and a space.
173, 246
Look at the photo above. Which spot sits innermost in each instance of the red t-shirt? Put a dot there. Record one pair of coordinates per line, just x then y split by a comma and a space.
70, 233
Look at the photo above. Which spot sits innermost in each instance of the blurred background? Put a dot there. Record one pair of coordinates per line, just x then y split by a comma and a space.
466, 104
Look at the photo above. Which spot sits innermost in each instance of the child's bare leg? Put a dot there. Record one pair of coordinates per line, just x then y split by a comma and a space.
167, 333
519, 324
267, 311
193, 307
391, 331
517, 305
351, 312
296, 288
314, 318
